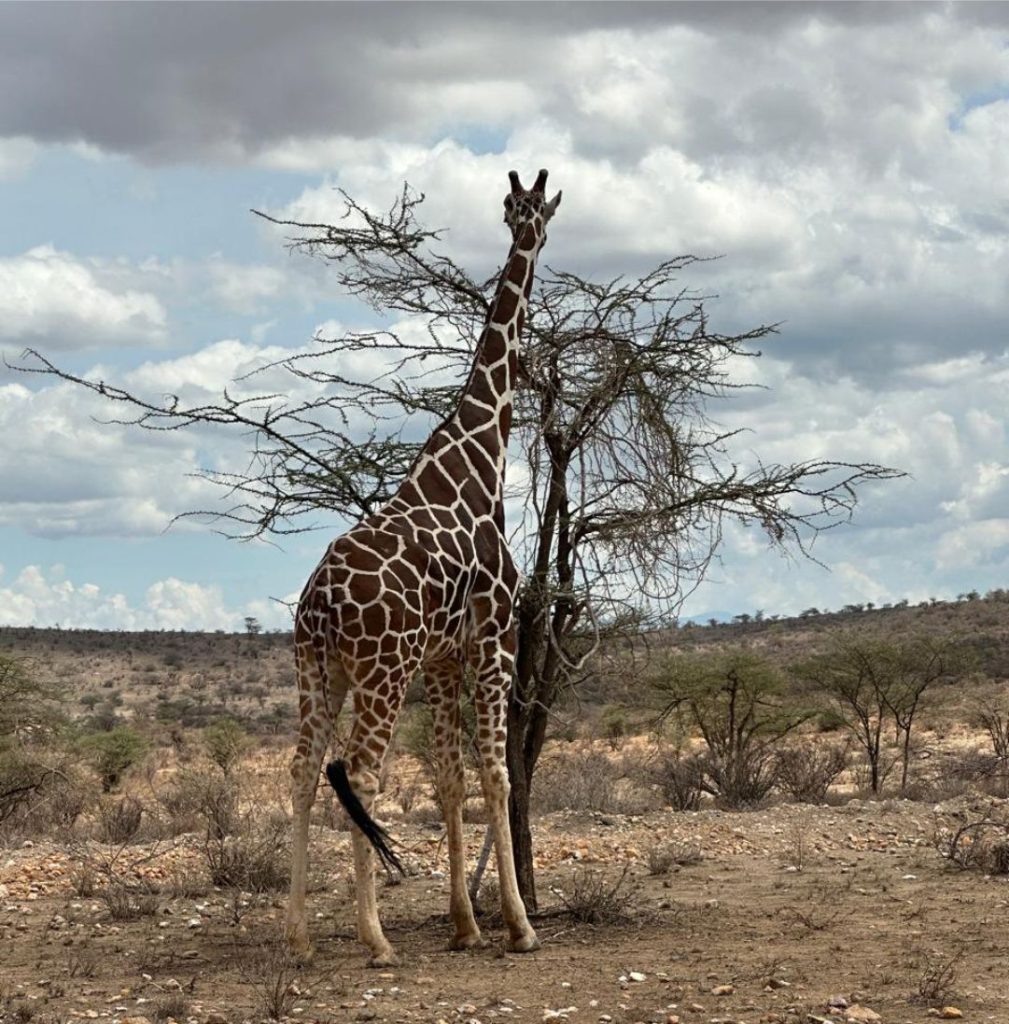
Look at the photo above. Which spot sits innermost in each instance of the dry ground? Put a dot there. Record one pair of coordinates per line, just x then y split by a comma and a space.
788, 907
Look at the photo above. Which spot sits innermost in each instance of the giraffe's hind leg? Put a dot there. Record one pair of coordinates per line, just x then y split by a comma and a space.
444, 689
317, 709
377, 700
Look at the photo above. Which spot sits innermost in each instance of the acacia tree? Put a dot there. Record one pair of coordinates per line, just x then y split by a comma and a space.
871, 679
735, 701
624, 486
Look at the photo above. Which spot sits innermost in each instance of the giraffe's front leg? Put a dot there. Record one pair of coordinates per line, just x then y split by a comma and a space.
493, 686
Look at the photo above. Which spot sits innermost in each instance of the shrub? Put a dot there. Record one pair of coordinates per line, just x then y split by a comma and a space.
734, 701
663, 857
979, 844
253, 862
586, 780
680, 779
21, 777
591, 898
112, 753
272, 975
614, 725
198, 800
745, 780
830, 721
807, 770
29, 711
225, 742
171, 1007
125, 903
119, 820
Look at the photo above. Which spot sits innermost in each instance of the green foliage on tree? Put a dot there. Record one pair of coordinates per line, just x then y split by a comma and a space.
735, 701
873, 681
112, 753
226, 742
614, 725
29, 710
30, 717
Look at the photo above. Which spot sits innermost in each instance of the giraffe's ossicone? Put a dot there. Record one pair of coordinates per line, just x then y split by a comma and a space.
425, 584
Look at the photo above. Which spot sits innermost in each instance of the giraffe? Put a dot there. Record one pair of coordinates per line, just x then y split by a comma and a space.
426, 583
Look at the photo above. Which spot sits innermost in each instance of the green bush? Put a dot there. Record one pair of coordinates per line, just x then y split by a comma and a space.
736, 702
225, 742
112, 753
830, 721
614, 725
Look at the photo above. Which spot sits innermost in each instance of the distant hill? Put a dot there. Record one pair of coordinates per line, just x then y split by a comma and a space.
188, 679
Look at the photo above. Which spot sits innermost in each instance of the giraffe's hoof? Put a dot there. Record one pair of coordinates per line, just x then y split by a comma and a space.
524, 943
468, 940
386, 959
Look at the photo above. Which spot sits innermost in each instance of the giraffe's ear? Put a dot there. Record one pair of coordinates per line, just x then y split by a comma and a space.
551, 208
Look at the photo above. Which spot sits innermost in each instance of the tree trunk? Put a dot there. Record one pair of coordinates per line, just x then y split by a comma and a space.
518, 808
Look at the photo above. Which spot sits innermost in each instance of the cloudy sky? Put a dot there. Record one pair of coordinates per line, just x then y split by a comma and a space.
851, 164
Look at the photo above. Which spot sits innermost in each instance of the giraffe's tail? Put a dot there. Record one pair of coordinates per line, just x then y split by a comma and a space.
336, 772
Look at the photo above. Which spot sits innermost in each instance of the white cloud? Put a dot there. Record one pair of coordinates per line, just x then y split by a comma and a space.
66, 473
17, 154
851, 174
44, 597
849, 161
51, 298
243, 288
942, 530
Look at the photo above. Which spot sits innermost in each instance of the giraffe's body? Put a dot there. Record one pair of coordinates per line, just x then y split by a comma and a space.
427, 582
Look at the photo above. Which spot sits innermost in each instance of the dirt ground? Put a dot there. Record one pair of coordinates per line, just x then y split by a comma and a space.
791, 914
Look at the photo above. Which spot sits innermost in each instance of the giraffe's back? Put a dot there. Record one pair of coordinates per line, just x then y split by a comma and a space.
408, 583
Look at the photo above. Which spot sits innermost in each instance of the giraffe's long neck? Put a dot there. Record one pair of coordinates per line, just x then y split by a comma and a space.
466, 454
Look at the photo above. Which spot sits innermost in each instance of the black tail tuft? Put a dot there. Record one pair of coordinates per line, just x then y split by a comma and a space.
336, 772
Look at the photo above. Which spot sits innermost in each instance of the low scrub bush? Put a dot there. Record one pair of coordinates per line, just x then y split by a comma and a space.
253, 861
980, 843
806, 770
40, 793
226, 743
614, 725
675, 853
588, 780
127, 903
23, 777
112, 753
591, 898
119, 820
171, 1007
736, 702
680, 778
198, 801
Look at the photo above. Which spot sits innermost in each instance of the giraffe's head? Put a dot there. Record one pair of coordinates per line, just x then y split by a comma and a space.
529, 207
